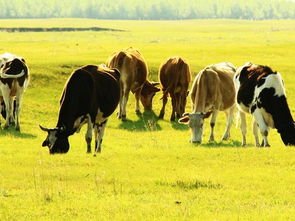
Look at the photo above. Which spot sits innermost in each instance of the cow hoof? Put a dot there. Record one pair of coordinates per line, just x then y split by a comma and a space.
17, 129
6, 127
123, 118
137, 112
225, 137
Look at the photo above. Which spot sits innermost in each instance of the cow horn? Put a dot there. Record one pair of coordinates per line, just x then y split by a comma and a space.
185, 114
155, 83
43, 128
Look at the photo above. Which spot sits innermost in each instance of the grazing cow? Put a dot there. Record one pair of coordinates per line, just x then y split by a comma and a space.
14, 79
174, 76
90, 96
260, 91
212, 91
134, 72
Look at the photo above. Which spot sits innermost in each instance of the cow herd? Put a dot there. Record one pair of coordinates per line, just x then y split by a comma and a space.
92, 93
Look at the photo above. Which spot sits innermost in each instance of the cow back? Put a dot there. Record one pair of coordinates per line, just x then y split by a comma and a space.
88, 90
213, 88
132, 67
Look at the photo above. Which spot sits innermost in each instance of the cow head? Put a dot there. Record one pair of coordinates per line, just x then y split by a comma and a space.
148, 92
56, 140
195, 122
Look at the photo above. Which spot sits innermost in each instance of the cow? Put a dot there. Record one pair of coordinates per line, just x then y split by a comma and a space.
212, 91
14, 79
90, 96
134, 73
174, 76
260, 92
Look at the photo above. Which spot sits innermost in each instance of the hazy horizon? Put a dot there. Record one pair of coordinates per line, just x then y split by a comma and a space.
151, 10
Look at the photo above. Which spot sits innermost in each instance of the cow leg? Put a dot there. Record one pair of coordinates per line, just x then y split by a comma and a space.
229, 120
18, 102
137, 98
162, 112
8, 101
173, 101
182, 103
99, 132
262, 126
255, 132
212, 125
243, 127
88, 135
123, 104
178, 105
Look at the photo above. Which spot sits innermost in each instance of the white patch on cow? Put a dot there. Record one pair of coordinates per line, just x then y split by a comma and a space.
99, 117
4, 75
79, 122
196, 122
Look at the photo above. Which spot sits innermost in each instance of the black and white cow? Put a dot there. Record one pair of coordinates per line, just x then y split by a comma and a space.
14, 79
260, 91
90, 96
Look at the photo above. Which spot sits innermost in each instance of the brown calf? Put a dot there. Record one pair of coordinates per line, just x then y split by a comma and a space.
174, 76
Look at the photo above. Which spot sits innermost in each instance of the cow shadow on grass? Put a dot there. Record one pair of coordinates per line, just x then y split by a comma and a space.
13, 133
218, 144
147, 121
177, 126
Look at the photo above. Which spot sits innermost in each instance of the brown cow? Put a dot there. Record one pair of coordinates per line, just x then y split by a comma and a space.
174, 76
134, 72
213, 90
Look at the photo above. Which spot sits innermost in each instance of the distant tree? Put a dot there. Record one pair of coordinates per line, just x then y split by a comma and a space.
152, 9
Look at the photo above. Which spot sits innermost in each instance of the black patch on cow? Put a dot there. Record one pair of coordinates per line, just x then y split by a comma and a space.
61, 144
15, 67
253, 108
277, 106
250, 78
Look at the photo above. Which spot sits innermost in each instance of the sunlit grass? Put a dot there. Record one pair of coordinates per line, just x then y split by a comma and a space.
147, 170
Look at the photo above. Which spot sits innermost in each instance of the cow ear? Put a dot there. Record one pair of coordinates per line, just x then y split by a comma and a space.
184, 120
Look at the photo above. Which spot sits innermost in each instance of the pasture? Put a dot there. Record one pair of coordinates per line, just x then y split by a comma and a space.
147, 169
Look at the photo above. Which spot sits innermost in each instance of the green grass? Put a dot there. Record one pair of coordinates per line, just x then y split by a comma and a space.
147, 169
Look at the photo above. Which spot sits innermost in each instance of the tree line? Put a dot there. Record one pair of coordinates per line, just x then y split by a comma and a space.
149, 10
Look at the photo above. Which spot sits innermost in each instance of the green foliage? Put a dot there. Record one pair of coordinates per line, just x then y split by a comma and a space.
147, 169
151, 10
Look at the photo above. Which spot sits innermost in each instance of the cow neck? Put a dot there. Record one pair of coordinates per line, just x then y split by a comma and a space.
66, 120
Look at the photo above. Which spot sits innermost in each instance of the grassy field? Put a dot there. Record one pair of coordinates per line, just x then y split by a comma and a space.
147, 169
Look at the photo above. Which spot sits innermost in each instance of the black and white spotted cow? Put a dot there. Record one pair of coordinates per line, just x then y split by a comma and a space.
14, 79
90, 96
260, 92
